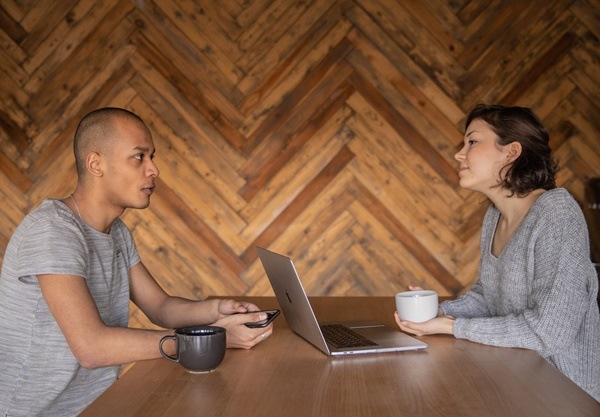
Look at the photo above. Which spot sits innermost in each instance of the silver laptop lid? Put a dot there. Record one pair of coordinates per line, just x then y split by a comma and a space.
292, 297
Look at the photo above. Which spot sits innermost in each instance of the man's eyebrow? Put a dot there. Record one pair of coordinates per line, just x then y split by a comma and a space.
142, 148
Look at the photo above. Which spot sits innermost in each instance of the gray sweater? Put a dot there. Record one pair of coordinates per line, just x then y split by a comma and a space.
540, 293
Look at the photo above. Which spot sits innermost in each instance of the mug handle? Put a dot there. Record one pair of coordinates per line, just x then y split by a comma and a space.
162, 352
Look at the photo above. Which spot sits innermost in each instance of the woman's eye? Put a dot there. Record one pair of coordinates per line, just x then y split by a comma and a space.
139, 157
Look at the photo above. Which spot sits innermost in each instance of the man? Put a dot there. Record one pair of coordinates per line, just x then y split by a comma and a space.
71, 268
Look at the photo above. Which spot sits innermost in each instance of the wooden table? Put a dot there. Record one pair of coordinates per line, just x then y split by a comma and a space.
286, 376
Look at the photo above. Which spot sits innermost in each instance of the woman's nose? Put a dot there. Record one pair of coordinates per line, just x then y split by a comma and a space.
460, 155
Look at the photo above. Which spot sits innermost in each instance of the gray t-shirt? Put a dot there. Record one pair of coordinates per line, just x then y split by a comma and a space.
540, 292
39, 374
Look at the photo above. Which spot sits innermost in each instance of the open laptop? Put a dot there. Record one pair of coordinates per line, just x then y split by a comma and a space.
366, 336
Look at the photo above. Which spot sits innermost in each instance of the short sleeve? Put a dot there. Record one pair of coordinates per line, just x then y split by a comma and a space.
51, 248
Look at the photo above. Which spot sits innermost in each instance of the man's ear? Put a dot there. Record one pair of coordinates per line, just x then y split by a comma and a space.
514, 150
94, 164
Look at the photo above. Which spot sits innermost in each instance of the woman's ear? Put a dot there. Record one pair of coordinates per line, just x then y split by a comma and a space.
93, 164
513, 151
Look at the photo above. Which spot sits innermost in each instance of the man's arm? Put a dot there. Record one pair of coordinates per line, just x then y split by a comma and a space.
174, 312
92, 342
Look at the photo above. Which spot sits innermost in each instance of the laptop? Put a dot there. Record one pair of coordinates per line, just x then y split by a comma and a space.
360, 337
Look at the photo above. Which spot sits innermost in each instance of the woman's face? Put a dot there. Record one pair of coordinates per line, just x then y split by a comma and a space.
481, 158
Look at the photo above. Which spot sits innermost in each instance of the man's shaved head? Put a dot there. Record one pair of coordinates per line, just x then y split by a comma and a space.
96, 131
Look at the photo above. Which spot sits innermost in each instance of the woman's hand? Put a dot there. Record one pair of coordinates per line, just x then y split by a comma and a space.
438, 325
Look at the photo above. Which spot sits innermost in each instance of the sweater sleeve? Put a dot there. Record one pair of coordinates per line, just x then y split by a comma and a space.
471, 304
558, 293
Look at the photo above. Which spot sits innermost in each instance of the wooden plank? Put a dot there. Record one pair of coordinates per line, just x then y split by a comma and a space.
52, 99
413, 245
261, 107
11, 47
64, 40
251, 14
292, 210
277, 29
259, 22
381, 250
289, 181
405, 129
154, 62
282, 59
11, 27
202, 199
13, 9
404, 63
59, 135
588, 12
173, 43
432, 55
548, 60
396, 152
34, 13
9, 66
224, 14
12, 171
402, 94
201, 31
277, 118
523, 51
393, 193
183, 222
59, 11
199, 132
11, 208
550, 89
70, 108
166, 38
17, 135
281, 146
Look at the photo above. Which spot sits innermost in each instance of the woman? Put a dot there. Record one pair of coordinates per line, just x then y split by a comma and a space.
536, 285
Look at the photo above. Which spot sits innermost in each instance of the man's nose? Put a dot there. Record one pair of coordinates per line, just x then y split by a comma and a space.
153, 170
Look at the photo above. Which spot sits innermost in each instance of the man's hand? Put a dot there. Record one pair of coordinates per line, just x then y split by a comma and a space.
238, 334
229, 307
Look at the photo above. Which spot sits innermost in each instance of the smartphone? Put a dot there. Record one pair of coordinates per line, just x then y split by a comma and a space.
271, 314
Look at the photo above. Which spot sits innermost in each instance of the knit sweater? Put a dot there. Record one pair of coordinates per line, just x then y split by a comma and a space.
540, 292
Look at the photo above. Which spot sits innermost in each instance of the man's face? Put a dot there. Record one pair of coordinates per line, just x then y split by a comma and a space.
130, 173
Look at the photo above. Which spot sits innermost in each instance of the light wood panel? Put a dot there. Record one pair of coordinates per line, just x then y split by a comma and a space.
323, 129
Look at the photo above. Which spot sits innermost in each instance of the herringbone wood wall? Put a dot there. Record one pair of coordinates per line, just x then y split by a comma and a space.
320, 128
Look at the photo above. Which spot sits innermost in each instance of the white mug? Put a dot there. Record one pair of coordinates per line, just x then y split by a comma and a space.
417, 306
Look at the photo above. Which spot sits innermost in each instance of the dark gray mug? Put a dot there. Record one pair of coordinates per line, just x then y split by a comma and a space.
198, 348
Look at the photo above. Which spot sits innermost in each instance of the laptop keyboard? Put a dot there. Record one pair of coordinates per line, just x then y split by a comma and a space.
342, 337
